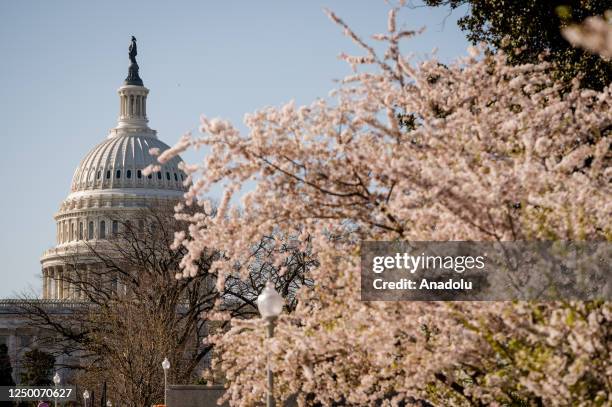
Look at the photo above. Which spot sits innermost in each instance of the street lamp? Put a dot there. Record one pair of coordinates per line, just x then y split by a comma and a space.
86, 397
165, 366
57, 380
270, 306
109, 404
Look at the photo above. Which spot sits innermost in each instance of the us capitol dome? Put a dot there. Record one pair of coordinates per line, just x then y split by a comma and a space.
110, 182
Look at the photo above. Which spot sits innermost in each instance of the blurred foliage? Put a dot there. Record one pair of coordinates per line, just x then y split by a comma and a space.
6, 370
525, 29
38, 368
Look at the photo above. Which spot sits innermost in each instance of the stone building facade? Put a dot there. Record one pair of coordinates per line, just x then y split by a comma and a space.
20, 337
109, 183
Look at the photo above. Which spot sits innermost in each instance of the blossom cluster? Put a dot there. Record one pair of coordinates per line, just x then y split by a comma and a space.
474, 150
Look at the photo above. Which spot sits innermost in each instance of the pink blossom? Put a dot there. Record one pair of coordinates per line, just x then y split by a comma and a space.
485, 151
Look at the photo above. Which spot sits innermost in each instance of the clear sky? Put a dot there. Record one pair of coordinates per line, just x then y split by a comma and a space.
62, 62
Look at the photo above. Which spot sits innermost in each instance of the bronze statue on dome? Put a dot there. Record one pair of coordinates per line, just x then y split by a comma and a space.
133, 78
133, 51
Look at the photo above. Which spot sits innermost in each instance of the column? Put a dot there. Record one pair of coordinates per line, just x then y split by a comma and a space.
73, 285
63, 285
54, 283
57, 280
51, 283
47, 278
44, 280
84, 278
66, 278
70, 293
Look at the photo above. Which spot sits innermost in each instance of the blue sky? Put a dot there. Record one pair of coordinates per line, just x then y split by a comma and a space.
62, 62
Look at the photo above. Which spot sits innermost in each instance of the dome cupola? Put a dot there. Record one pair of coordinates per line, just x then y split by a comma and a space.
119, 160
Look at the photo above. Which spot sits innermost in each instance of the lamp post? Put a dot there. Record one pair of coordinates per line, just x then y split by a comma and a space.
57, 380
85, 397
165, 366
270, 306
109, 404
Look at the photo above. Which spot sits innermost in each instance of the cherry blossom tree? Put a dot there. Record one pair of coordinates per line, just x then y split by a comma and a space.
475, 150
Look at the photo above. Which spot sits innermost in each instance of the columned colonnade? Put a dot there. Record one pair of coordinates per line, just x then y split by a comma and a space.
61, 282
57, 283
133, 102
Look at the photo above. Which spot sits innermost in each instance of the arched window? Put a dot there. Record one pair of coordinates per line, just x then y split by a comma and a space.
80, 230
71, 231
115, 227
175, 177
182, 177
102, 232
118, 175
107, 174
98, 175
139, 174
167, 175
158, 174
90, 230
150, 176
128, 174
